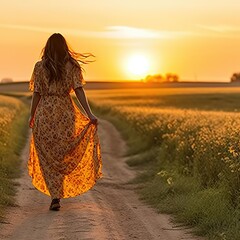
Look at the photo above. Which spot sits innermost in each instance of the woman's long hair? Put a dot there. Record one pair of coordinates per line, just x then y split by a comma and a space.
57, 53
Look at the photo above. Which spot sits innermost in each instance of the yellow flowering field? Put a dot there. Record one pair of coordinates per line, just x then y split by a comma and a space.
188, 140
13, 114
9, 107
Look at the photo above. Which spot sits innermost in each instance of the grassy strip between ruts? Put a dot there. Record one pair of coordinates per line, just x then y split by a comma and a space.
208, 208
13, 133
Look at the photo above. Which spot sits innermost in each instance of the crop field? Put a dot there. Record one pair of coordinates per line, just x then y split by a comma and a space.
9, 108
188, 144
206, 142
13, 114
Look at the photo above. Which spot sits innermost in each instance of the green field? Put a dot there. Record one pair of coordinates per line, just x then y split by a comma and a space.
185, 144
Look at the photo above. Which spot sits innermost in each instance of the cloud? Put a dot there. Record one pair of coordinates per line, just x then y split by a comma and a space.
132, 32
28, 28
126, 32
220, 28
114, 32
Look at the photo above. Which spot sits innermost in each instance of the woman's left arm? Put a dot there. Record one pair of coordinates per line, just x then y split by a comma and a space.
35, 100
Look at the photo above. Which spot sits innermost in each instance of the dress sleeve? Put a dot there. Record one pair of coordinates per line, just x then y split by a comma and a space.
77, 78
34, 84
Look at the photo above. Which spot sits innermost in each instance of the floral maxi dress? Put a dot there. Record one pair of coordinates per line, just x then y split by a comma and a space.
64, 156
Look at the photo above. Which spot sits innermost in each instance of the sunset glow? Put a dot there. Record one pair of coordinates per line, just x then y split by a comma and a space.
198, 40
138, 65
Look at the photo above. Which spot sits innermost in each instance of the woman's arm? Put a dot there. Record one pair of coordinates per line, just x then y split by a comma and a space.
35, 100
83, 100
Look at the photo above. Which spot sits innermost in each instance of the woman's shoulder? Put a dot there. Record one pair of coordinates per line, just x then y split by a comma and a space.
38, 64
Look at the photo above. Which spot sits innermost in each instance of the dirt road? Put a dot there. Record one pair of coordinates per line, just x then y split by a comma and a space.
109, 211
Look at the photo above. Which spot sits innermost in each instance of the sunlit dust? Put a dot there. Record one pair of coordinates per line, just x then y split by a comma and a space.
138, 65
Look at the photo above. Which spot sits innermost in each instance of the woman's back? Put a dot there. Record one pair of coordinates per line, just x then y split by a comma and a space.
72, 78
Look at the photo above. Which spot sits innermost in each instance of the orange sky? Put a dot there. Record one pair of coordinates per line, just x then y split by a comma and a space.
199, 40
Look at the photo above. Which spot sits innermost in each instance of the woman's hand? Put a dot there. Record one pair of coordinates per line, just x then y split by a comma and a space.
93, 119
31, 122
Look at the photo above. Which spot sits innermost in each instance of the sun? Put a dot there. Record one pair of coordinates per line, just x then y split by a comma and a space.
138, 65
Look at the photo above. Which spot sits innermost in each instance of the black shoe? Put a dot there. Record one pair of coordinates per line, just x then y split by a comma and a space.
55, 204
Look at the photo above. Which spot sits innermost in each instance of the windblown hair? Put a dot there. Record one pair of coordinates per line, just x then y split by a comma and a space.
57, 53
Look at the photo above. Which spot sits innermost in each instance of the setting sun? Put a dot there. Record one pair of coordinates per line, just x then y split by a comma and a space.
138, 65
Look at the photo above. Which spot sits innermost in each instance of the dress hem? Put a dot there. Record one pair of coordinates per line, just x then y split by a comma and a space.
80, 193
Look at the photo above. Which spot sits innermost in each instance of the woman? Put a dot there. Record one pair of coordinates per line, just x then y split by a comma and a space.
64, 157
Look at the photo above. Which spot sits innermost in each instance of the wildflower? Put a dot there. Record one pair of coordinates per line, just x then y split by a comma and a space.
170, 181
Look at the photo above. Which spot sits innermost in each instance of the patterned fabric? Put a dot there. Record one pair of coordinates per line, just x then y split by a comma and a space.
64, 157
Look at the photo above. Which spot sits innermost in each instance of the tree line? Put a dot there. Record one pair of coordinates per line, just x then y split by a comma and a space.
159, 78
172, 77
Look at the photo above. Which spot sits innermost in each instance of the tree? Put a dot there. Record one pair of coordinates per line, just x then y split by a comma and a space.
170, 77
235, 77
154, 78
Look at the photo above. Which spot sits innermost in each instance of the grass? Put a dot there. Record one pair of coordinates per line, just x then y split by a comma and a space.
187, 148
13, 131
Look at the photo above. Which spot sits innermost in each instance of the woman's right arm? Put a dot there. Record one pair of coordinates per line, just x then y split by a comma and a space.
84, 102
